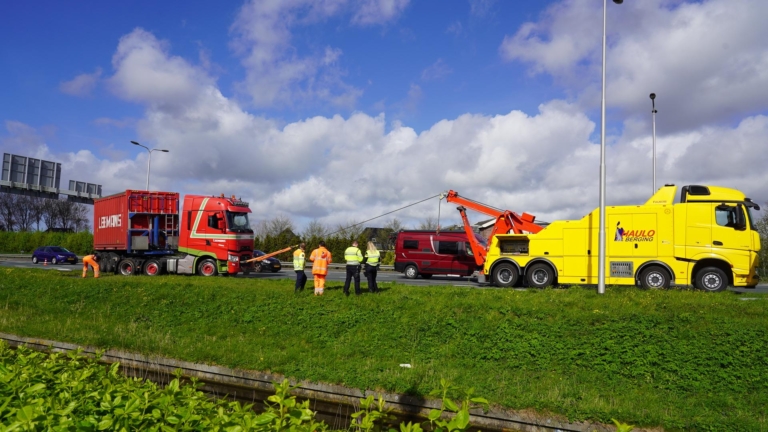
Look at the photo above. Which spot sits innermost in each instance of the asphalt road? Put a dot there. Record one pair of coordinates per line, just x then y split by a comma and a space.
338, 276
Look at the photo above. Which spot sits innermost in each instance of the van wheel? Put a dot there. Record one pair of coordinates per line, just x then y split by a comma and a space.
505, 275
152, 268
207, 267
711, 279
654, 277
411, 272
540, 275
126, 267
426, 276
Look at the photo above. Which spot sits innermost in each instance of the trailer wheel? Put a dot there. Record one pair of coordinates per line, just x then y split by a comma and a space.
540, 275
505, 275
207, 267
411, 272
654, 277
711, 279
126, 267
152, 268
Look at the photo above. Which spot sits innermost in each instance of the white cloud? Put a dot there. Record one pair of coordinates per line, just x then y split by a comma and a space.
378, 11
706, 60
81, 85
436, 71
480, 8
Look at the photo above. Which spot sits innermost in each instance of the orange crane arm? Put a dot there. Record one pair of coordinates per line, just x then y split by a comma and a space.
478, 250
271, 254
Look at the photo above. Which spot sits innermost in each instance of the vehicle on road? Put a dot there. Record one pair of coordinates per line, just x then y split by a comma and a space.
428, 253
267, 264
53, 255
708, 239
143, 232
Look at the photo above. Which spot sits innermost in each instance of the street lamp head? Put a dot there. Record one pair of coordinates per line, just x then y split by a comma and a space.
618, 1
165, 151
653, 96
135, 143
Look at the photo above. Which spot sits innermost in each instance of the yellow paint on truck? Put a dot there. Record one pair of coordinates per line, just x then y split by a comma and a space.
708, 239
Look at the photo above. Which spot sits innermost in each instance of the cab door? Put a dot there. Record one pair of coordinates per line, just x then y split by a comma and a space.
731, 236
698, 229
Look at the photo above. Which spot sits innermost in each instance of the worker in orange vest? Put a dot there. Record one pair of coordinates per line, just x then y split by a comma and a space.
320, 258
93, 260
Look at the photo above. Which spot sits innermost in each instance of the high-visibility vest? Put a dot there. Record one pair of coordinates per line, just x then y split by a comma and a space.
353, 256
372, 257
298, 259
320, 258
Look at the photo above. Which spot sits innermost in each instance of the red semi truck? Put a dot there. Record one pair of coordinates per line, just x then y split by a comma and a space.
143, 232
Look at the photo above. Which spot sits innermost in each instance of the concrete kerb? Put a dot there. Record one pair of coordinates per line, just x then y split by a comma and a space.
406, 405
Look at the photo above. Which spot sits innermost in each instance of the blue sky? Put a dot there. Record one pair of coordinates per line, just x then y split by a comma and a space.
339, 109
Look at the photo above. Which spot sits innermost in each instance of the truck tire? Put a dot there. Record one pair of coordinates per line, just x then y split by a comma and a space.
207, 267
540, 275
711, 279
126, 267
655, 277
411, 272
152, 268
505, 275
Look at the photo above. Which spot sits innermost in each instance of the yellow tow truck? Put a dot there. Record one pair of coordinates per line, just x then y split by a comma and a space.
707, 240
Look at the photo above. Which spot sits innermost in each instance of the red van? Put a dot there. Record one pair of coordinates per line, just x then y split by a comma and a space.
428, 253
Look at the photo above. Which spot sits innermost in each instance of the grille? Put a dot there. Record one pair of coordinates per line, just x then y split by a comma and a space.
622, 269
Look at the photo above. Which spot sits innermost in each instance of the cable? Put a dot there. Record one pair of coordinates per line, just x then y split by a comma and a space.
401, 208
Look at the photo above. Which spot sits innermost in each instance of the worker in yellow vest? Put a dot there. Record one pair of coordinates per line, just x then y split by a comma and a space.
354, 259
320, 258
371, 262
93, 261
298, 267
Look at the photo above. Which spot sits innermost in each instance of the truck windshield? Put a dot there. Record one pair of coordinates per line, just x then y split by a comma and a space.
238, 222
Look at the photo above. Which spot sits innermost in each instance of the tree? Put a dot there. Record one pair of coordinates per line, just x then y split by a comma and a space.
315, 229
352, 229
7, 213
428, 224
274, 227
37, 206
22, 212
762, 229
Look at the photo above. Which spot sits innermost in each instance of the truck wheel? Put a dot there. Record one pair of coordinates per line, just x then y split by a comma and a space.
207, 267
654, 277
152, 268
540, 275
505, 275
411, 272
711, 279
126, 267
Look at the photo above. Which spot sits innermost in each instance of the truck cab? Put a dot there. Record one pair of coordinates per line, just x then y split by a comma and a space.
216, 231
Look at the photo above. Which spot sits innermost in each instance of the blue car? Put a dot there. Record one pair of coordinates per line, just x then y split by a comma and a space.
53, 255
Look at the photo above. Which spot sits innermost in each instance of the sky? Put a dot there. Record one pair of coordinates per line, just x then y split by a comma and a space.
342, 110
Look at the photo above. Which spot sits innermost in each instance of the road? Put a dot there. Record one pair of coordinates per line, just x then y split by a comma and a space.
339, 275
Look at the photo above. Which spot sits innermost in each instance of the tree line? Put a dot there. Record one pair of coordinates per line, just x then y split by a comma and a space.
25, 213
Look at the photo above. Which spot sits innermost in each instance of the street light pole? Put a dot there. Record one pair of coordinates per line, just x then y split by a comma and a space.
149, 159
653, 112
601, 231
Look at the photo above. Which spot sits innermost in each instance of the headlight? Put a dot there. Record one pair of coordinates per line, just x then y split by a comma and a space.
234, 258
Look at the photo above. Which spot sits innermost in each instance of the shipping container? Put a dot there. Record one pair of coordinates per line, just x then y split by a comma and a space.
136, 220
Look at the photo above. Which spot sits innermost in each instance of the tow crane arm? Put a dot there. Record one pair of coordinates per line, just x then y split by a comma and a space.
506, 222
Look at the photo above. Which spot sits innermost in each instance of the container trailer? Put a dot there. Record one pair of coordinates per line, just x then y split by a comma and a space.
143, 232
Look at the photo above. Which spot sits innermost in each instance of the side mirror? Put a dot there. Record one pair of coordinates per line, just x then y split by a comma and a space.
220, 224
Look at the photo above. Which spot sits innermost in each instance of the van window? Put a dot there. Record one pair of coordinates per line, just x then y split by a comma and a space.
410, 244
447, 247
727, 217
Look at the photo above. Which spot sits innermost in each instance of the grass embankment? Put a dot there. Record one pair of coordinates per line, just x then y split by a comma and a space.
680, 359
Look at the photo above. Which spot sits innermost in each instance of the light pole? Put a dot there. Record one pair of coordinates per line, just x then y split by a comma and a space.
149, 159
653, 112
601, 231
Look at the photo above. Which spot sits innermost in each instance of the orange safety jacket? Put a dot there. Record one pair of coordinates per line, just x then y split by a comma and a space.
320, 258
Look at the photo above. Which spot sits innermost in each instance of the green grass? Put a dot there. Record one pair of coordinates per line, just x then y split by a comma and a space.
679, 359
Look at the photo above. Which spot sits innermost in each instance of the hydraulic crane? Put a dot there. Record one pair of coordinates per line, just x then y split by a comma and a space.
506, 222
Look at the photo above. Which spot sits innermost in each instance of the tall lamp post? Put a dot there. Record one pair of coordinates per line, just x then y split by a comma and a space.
601, 232
653, 112
149, 159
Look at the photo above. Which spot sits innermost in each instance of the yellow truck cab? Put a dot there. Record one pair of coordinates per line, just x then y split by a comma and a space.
708, 240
